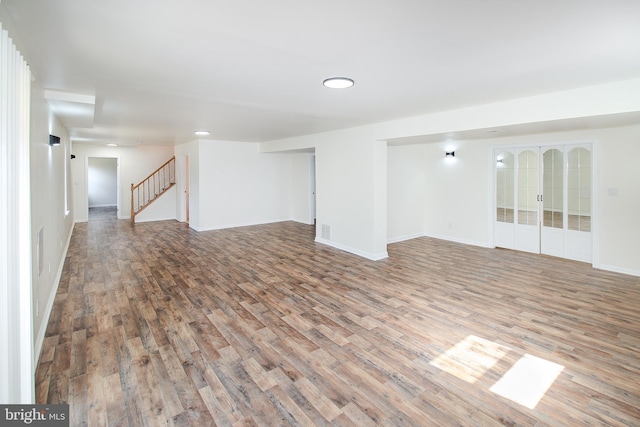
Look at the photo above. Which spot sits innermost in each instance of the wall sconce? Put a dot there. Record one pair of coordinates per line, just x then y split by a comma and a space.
54, 140
450, 154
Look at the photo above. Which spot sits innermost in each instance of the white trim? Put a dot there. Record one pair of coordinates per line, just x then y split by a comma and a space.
404, 238
109, 205
491, 243
616, 269
595, 235
367, 255
52, 297
463, 241
247, 224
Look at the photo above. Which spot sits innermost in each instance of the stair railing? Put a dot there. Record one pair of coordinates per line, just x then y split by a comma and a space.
149, 189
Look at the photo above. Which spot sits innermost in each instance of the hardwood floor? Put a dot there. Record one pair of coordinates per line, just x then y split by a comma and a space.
155, 324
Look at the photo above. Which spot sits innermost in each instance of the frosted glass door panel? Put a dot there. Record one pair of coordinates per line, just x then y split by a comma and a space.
552, 234
528, 181
579, 189
505, 181
527, 190
504, 229
553, 188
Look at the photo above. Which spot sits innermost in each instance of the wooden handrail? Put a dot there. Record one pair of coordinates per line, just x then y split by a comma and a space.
148, 190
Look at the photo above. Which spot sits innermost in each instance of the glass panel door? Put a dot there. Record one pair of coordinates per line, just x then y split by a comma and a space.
528, 181
504, 231
552, 233
505, 187
528, 188
579, 190
543, 200
553, 197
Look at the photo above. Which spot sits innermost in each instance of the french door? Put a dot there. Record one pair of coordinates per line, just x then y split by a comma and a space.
543, 200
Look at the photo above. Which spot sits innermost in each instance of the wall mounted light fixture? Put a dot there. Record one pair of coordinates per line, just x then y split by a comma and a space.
54, 140
450, 154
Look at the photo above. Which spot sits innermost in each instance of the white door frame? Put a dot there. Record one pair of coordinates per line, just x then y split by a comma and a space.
118, 184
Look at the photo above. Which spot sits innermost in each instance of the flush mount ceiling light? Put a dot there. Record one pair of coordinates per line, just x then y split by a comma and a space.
202, 132
338, 82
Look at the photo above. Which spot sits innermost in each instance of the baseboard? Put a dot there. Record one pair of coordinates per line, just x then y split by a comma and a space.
403, 238
236, 225
49, 307
367, 255
615, 269
456, 240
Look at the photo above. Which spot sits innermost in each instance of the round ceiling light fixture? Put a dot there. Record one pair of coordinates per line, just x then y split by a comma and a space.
338, 82
202, 132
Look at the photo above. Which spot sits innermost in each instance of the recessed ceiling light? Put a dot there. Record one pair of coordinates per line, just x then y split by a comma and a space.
111, 144
338, 82
202, 132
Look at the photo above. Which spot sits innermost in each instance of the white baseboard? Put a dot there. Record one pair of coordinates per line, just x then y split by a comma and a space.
49, 307
403, 238
367, 255
236, 225
615, 269
456, 240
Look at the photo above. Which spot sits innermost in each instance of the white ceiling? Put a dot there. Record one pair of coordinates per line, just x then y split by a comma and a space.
252, 70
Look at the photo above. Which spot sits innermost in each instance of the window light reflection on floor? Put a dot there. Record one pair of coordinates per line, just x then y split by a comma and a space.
470, 358
528, 380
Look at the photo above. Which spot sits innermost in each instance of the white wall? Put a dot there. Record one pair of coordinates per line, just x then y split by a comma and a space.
102, 182
458, 193
406, 177
239, 185
136, 163
49, 212
351, 188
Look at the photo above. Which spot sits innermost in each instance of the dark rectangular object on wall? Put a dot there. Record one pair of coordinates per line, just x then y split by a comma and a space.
54, 140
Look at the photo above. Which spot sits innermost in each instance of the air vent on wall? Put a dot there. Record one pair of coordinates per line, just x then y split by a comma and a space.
326, 232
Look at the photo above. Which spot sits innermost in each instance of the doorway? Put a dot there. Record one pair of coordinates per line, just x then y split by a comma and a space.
102, 188
543, 200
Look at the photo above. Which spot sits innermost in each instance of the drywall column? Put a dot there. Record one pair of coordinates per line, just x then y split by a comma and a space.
351, 192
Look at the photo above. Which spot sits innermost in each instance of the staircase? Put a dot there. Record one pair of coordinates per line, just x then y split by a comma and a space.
152, 187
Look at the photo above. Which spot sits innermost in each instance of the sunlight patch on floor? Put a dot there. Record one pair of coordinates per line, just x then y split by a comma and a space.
528, 380
470, 358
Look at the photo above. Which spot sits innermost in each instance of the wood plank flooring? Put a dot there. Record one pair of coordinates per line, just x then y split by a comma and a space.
155, 324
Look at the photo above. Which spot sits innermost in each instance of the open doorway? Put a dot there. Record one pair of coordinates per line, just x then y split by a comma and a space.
102, 188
